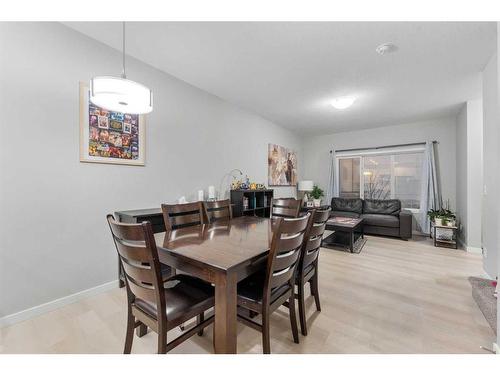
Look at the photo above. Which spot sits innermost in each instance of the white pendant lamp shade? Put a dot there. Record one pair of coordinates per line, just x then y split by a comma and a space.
120, 95
305, 185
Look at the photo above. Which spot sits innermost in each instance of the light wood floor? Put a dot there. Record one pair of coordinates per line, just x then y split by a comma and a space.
394, 297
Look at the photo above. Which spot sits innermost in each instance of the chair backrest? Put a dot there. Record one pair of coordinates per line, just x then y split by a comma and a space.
285, 207
284, 255
182, 215
216, 210
138, 255
313, 237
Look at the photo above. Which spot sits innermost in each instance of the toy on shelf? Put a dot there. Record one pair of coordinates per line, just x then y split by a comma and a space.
245, 184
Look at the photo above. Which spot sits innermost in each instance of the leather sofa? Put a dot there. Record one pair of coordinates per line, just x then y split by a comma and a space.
382, 217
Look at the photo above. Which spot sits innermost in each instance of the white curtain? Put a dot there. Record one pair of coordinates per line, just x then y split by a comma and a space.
332, 190
430, 196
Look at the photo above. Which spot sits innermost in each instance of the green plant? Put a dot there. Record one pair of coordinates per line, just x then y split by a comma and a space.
432, 213
316, 192
443, 213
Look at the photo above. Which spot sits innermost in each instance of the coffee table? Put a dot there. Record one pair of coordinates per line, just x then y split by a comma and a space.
347, 233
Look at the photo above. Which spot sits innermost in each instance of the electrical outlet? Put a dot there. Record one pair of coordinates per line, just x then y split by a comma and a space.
485, 252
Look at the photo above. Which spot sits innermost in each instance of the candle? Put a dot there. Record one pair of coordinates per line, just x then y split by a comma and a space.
211, 192
201, 195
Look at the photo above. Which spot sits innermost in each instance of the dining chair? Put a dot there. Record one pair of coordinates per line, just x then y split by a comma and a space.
285, 207
307, 270
182, 215
218, 210
264, 292
156, 303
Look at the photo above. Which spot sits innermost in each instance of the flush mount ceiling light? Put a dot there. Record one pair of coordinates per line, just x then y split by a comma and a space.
343, 102
386, 48
120, 94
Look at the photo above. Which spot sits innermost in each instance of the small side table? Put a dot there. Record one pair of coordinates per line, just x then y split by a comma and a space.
451, 243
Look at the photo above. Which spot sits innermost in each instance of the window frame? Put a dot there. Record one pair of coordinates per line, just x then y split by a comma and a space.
361, 154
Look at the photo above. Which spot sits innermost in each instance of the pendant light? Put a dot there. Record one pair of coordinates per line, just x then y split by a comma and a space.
120, 94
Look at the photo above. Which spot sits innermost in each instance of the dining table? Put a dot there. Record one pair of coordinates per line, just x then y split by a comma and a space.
222, 253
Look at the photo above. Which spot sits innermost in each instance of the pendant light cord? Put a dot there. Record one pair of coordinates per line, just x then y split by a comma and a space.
123, 50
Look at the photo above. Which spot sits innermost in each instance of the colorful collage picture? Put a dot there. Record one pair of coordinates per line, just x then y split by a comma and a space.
113, 134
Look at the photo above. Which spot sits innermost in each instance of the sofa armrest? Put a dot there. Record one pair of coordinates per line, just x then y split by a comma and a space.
405, 224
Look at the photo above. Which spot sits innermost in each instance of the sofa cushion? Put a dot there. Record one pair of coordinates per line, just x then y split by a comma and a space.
344, 214
380, 220
385, 207
348, 205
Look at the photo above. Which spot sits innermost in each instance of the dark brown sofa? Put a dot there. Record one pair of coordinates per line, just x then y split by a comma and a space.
383, 217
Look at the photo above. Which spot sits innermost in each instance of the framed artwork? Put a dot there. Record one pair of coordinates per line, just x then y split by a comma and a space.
110, 137
282, 166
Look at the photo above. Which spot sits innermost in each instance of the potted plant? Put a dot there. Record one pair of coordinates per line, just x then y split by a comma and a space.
433, 214
316, 194
442, 217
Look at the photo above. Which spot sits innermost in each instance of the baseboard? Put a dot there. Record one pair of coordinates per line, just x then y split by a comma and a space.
55, 304
470, 249
474, 250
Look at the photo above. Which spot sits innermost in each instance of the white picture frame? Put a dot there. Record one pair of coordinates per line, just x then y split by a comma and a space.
136, 139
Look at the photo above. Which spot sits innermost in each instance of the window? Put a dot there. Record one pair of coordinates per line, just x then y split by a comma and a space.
377, 177
382, 175
349, 180
407, 178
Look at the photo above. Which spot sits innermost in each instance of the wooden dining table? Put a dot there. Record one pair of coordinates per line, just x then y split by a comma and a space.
222, 253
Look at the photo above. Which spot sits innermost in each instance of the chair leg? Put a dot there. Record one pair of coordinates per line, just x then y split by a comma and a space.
315, 290
302, 308
266, 340
200, 319
293, 318
141, 330
129, 336
162, 343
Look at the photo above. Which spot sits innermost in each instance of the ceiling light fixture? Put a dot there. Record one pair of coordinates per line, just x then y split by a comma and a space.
343, 102
386, 48
120, 94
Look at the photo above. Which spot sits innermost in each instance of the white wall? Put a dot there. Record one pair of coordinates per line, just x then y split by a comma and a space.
474, 172
316, 149
461, 167
469, 161
491, 157
498, 203
54, 240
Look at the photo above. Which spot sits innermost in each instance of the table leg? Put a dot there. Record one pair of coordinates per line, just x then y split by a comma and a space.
351, 244
225, 313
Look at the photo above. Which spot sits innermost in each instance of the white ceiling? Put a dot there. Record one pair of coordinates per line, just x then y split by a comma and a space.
288, 72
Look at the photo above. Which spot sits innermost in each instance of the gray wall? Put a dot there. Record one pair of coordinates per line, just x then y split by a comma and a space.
474, 172
491, 156
469, 166
316, 149
54, 239
461, 168
498, 203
